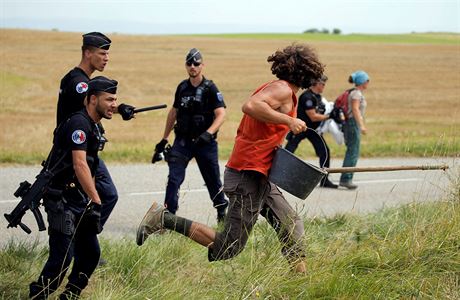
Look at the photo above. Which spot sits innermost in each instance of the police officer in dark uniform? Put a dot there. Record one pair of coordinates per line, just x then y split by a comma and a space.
72, 92
312, 111
72, 202
196, 116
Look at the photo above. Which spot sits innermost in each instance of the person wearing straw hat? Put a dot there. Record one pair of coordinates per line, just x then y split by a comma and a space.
269, 114
72, 202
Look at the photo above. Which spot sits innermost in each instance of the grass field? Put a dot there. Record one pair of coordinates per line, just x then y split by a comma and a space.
410, 252
414, 38
413, 98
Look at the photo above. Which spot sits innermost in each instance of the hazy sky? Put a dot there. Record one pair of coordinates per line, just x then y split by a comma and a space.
232, 16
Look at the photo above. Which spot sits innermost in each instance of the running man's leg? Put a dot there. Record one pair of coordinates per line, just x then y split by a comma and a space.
287, 224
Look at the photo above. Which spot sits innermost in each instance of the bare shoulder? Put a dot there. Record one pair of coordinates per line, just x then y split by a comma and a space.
278, 91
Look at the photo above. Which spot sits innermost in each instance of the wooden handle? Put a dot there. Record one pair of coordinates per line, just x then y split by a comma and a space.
388, 168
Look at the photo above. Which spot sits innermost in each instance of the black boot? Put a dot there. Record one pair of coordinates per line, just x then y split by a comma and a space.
38, 291
71, 292
326, 183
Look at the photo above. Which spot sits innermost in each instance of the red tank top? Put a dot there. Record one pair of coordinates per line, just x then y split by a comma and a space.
256, 141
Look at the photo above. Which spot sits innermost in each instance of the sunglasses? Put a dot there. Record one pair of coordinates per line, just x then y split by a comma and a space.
195, 64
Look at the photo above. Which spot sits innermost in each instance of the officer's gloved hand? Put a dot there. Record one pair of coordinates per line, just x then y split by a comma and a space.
204, 138
126, 111
159, 148
337, 115
92, 218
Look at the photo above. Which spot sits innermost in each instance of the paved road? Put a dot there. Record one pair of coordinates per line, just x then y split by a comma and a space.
139, 184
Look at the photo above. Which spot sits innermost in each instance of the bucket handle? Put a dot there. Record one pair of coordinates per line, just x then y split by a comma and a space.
324, 145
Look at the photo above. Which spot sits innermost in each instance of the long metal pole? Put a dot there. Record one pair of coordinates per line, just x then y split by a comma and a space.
388, 168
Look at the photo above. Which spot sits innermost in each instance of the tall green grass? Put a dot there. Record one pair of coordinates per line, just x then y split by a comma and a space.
126, 153
410, 252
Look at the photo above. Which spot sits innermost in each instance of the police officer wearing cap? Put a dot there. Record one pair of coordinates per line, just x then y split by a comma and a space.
312, 111
72, 92
196, 116
72, 202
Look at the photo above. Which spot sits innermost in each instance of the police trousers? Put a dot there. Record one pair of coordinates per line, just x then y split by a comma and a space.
182, 151
106, 190
82, 246
251, 194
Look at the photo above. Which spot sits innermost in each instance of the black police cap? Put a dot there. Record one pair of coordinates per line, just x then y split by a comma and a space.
194, 55
102, 84
96, 39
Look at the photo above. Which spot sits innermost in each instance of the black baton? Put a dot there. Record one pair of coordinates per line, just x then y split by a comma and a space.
137, 110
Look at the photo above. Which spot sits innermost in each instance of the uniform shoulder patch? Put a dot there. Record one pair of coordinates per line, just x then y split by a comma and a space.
78, 137
81, 87
309, 103
220, 97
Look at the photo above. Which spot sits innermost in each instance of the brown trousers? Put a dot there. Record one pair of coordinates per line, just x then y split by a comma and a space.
251, 194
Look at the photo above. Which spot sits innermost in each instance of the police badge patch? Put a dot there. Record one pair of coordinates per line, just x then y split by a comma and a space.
78, 137
81, 87
220, 97
309, 103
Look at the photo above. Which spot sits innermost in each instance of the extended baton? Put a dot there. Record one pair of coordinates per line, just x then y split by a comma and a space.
137, 110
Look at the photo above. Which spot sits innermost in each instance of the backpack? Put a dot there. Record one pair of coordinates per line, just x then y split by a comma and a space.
342, 102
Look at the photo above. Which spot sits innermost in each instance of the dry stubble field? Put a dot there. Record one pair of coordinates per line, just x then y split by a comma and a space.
413, 98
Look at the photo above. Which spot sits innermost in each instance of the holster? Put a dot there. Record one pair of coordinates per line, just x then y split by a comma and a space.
59, 218
63, 222
176, 157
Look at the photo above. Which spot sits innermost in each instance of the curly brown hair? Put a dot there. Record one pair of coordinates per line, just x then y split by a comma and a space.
297, 64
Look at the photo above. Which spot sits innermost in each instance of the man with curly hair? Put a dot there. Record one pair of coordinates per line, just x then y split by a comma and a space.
269, 114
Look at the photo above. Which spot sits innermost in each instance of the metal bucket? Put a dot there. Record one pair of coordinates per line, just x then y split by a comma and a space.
293, 175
